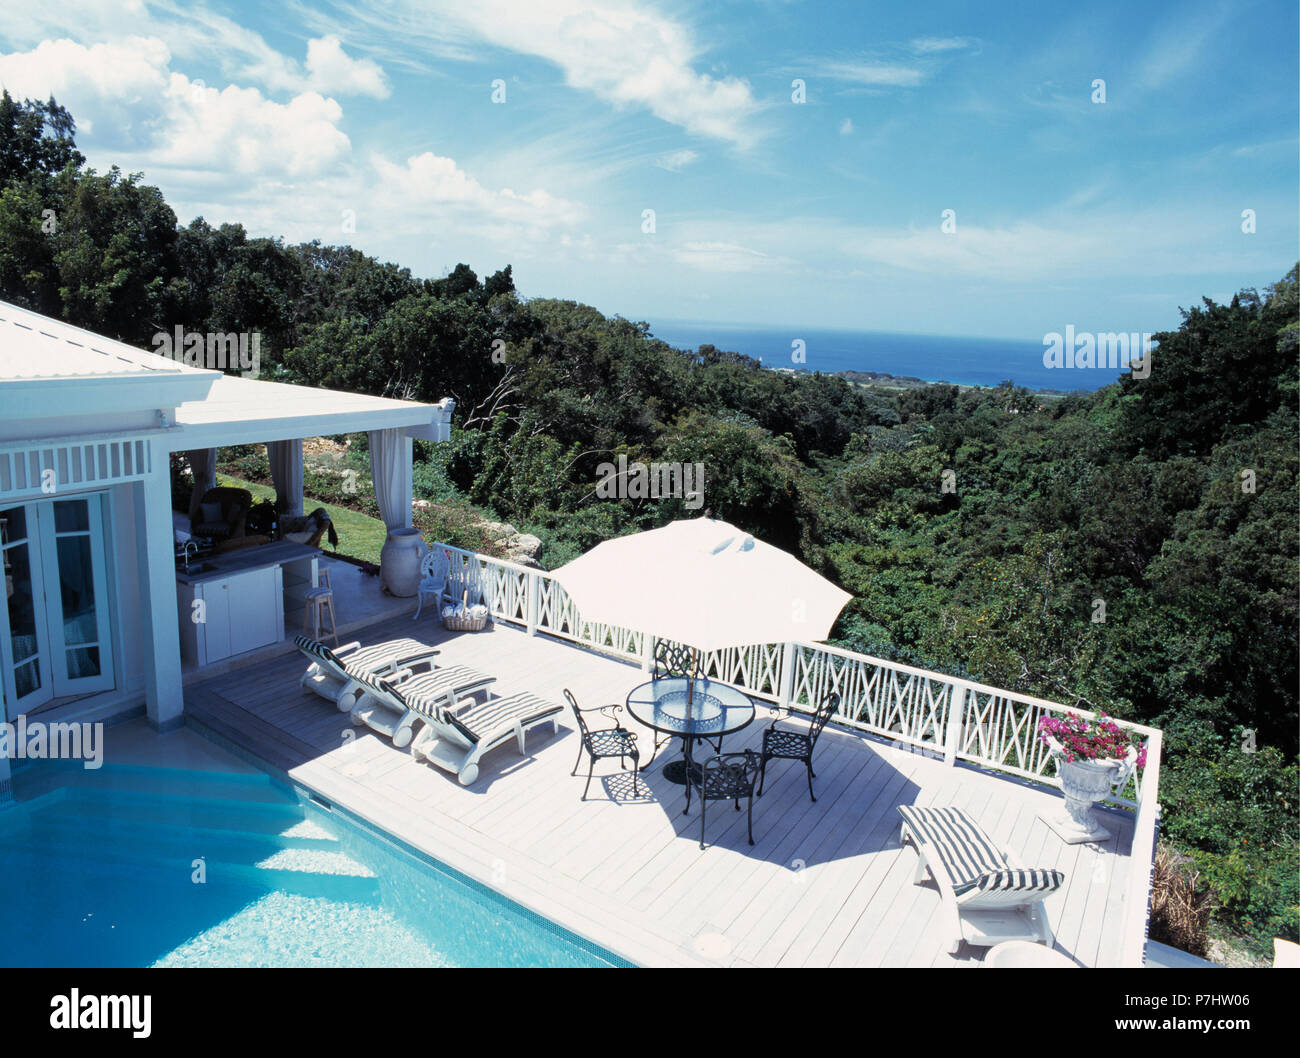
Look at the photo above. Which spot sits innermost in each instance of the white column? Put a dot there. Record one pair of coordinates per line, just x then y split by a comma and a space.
956, 718
532, 585
159, 633
786, 690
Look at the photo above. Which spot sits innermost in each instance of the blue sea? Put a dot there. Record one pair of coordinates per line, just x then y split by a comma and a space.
934, 358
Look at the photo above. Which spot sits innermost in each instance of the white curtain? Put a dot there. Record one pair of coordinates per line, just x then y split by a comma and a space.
286, 471
390, 466
203, 461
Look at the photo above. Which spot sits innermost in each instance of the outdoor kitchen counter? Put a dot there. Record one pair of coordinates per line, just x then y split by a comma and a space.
248, 558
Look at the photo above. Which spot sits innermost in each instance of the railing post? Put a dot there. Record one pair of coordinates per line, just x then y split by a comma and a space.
647, 652
956, 712
786, 692
531, 602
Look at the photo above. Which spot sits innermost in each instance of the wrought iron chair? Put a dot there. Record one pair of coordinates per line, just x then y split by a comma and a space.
727, 777
672, 660
779, 744
616, 741
675, 661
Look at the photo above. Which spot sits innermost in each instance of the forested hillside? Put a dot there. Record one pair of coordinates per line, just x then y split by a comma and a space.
1132, 550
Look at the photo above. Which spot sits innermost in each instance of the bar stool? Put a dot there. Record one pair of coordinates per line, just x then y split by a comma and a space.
320, 598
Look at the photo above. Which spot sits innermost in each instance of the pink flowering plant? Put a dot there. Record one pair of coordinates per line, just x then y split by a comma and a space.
1090, 738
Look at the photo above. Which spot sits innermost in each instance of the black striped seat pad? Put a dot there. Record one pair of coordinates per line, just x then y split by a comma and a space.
364, 661
969, 855
500, 715
427, 691
316, 650
1017, 880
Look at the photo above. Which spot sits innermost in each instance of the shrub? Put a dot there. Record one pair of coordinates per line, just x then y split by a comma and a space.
1181, 903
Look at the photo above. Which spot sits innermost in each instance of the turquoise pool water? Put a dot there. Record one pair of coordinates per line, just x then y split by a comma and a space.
153, 867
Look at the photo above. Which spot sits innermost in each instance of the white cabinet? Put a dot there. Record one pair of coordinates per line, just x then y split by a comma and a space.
231, 614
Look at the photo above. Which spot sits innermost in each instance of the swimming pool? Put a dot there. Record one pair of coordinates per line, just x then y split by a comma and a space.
138, 866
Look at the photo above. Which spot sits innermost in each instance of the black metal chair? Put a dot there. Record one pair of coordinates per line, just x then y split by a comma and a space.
674, 661
616, 741
779, 744
728, 777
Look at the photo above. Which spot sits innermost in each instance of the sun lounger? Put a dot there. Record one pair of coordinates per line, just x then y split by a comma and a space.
336, 675
393, 705
987, 894
456, 741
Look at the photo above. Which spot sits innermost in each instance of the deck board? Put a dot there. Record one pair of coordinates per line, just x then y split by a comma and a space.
826, 883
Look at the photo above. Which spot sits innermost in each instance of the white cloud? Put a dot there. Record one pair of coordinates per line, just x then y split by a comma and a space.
621, 51
676, 161
719, 256
930, 45
331, 70
1175, 51
115, 85
877, 74
428, 185
286, 168
846, 127
239, 131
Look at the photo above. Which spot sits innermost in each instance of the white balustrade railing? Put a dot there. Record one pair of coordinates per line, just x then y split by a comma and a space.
947, 715
930, 711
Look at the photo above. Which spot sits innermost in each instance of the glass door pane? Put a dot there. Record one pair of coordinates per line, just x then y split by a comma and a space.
75, 596
24, 642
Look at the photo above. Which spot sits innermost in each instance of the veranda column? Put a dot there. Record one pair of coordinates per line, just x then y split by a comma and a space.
159, 632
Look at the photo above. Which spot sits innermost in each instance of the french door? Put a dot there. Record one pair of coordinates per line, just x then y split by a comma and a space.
54, 626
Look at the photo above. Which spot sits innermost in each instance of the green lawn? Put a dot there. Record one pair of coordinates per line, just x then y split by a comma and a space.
360, 536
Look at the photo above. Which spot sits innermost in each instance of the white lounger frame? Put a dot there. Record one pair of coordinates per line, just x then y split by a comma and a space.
981, 919
380, 711
342, 687
445, 746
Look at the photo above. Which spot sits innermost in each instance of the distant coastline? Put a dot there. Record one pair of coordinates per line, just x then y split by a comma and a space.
884, 359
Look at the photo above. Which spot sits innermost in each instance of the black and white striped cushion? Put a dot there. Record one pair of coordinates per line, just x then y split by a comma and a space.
967, 853
365, 661
1016, 880
316, 650
482, 720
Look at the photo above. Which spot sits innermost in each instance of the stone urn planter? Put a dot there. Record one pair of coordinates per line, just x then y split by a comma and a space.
1085, 782
399, 562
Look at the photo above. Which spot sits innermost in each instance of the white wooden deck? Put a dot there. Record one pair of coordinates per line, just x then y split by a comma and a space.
826, 884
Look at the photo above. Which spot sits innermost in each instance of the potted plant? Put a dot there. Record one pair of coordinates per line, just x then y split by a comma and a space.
1094, 756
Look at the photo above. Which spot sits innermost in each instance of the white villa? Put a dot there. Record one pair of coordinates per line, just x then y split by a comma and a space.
96, 628
87, 428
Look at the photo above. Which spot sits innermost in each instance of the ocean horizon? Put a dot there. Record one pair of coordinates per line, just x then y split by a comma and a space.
931, 357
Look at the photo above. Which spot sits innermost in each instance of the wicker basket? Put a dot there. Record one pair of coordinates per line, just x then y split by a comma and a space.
464, 622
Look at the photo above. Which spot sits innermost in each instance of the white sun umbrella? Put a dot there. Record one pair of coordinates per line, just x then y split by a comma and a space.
703, 583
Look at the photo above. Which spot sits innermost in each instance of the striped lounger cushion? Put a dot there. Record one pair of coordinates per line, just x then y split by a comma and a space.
366, 660
970, 857
501, 714
427, 691
316, 650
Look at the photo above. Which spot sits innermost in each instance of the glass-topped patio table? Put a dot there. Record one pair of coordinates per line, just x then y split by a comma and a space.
707, 711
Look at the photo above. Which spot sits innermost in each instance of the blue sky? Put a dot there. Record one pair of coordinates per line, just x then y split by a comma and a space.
375, 124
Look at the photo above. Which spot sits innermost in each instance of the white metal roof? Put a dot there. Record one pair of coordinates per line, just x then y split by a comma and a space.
246, 411
33, 346
49, 368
